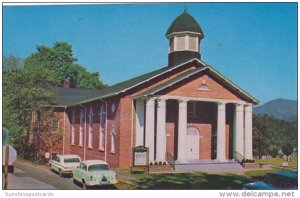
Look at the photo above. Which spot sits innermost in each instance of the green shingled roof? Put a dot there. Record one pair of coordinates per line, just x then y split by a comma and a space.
69, 96
73, 96
185, 23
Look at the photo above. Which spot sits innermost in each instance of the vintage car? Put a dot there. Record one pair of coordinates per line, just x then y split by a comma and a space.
91, 173
275, 181
64, 164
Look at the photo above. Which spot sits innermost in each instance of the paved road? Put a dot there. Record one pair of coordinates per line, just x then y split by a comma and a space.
43, 175
20, 181
30, 176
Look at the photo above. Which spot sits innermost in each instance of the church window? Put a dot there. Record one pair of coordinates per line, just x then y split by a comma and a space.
191, 109
102, 127
90, 128
73, 128
113, 140
81, 128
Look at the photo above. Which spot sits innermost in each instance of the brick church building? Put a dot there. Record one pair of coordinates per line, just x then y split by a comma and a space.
186, 111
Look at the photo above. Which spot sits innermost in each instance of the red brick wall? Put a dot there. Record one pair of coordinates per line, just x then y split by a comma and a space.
113, 121
189, 88
126, 126
123, 118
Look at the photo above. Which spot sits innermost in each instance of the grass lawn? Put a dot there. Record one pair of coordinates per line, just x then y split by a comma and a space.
200, 180
277, 161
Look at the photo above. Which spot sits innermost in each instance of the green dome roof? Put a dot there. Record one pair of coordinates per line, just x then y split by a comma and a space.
185, 23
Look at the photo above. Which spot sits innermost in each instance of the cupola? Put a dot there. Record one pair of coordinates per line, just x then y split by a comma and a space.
184, 36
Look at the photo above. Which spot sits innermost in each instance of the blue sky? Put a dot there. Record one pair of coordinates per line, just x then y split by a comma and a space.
253, 44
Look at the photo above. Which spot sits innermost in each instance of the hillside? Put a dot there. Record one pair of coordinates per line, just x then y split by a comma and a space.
281, 109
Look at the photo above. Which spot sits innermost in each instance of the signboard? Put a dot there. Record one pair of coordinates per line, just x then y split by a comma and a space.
140, 158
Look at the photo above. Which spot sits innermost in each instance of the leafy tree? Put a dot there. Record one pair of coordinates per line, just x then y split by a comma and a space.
287, 149
270, 133
60, 65
273, 151
23, 93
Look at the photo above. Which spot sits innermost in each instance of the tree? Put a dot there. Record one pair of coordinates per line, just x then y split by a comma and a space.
24, 92
287, 149
273, 151
60, 65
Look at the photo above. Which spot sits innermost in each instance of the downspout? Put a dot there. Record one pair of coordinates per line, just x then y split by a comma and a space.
64, 135
132, 117
84, 139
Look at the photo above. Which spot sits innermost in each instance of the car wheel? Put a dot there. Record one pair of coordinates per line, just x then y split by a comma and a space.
84, 186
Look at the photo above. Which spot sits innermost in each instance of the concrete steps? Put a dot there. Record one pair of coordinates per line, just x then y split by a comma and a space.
207, 166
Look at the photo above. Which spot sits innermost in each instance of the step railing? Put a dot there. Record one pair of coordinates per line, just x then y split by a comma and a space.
238, 157
170, 160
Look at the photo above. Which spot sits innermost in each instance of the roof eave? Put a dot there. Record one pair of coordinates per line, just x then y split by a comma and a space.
124, 90
243, 92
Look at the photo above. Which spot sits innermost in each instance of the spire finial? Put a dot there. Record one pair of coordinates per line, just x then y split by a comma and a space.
185, 11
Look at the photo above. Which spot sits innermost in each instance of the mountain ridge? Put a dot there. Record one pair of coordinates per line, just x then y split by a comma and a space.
282, 109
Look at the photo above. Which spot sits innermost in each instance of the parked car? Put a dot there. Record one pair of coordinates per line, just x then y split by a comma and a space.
94, 173
64, 164
275, 181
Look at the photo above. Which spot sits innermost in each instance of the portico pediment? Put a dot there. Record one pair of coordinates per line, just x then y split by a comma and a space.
202, 82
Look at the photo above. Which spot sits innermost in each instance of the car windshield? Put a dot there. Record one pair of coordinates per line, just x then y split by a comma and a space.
98, 167
280, 181
71, 160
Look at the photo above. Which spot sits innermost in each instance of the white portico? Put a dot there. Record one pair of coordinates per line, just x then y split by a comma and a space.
151, 127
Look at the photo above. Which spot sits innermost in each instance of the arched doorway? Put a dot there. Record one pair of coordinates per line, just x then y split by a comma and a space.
192, 143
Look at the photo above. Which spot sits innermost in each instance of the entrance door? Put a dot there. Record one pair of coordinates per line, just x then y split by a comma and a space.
192, 143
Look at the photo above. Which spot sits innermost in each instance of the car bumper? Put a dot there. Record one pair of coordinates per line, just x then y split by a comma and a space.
102, 183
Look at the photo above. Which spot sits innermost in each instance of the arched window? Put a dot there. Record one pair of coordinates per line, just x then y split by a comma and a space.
81, 128
73, 128
113, 140
102, 127
90, 128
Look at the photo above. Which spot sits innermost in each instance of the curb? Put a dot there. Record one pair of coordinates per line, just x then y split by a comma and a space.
128, 183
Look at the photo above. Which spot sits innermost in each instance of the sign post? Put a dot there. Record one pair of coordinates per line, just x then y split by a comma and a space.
140, 159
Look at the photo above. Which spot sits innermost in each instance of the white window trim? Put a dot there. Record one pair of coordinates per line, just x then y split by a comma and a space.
186, 44
73, 128
102, 128
113, 141
90, 143
81, 128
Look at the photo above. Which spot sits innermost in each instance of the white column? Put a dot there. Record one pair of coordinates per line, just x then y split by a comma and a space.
182, 129
221, 132
161, 142
239, 128
140, 120
248, 131
149, 132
